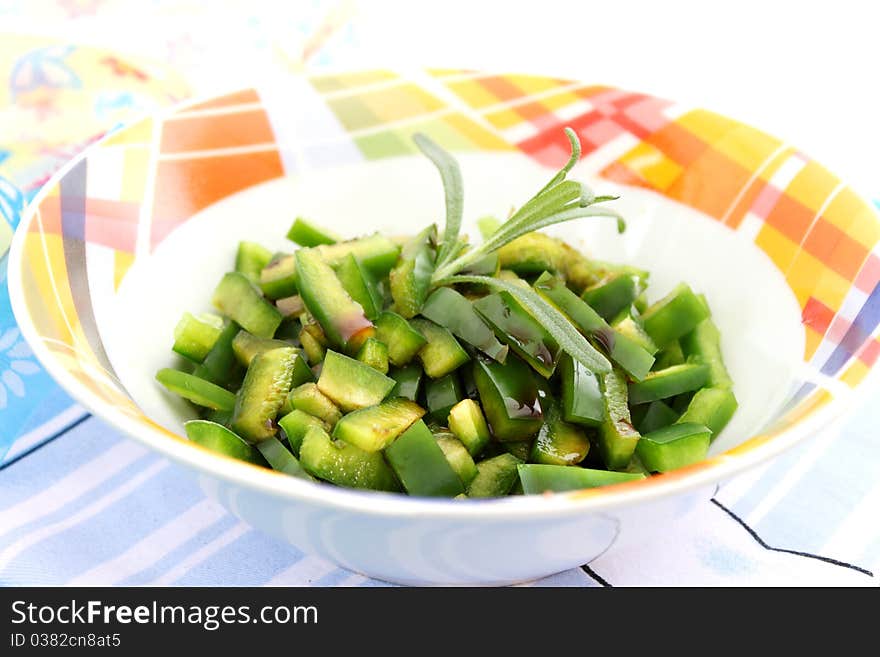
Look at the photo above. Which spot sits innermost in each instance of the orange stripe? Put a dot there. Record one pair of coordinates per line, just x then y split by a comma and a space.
183, 187
200, 133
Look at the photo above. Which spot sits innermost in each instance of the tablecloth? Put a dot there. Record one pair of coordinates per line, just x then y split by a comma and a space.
81, 504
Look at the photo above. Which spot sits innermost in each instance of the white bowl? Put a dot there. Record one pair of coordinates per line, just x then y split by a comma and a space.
140, 228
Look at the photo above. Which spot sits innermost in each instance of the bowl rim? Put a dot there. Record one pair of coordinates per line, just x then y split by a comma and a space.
559, 504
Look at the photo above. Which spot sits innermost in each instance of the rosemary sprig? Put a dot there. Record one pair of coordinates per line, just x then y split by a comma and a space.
558, 201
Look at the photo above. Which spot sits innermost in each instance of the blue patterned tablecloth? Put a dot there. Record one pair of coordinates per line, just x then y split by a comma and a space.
81, 504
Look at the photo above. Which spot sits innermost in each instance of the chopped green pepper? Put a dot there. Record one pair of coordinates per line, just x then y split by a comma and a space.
703, 344
194, 336
451, 310
669, 382
219, 439
582, 401
197, 390
278, 278
237, 298
341, 318
711, 407
520, 331
344, 464
421, 465
673, 447
411, 277
408, 381
280, 458
296, 423
466, 421
441, 395
305, 233
374, 354
558, 442
351, 384
265, 387
537, 479
402, 339
617, 437
495, 476
360, 285
374, 428
510, 399
442, 353
612, 294
674, 315
250, 260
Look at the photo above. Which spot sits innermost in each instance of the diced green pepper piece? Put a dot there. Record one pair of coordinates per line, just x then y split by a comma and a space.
351, 384
516, 326
218, 438
558, 442
289, 307
341, 318
509, 394
537, 479
410, 278
521, 449
467, 423
669, 382
495, 476
703, 344
451, 310
657, 416
309, 399
632, 328
250, 259
670, 355
442, 353
344, 464
280, 458
582, 401
305, 233
674, 446
486, 266
459, 458
194, 336
278, 278
402, 339
617, 437
247, 346
237, 298
197, 390
533, 253
673, 316
408, 381
441, 395
265, 387
296, 423
374, 354
374, 428
312, 348
220, 366
360, 285
488, 225
218, 416
302, 373
376, 252
622, 349
421, 465
612, 294
711, 407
